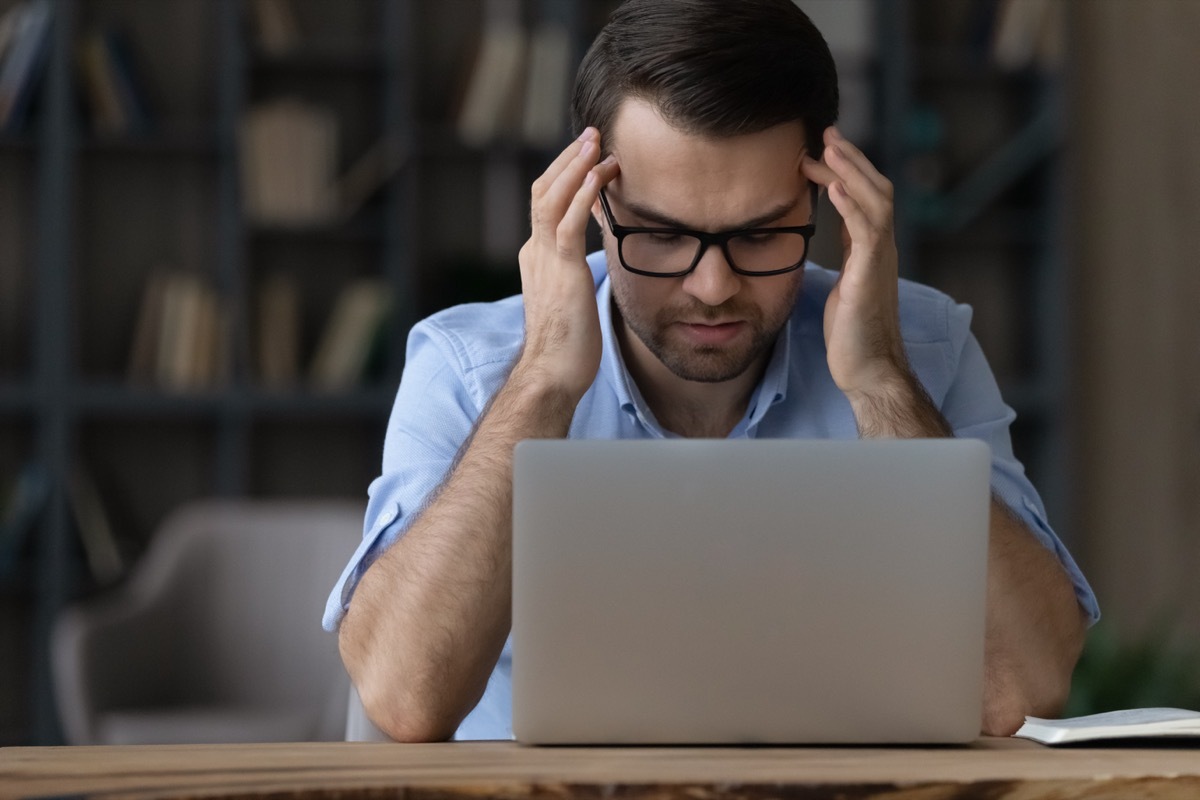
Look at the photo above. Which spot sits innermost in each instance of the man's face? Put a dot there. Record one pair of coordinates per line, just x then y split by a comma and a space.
713, 324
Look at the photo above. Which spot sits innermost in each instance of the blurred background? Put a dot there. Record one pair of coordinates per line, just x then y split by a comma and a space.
219, 219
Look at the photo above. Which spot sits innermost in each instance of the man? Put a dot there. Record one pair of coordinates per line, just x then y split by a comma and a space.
710, 123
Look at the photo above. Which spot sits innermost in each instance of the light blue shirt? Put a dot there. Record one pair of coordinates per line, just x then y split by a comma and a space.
458, 358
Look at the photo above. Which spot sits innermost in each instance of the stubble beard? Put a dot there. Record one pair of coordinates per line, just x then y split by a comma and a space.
703, 363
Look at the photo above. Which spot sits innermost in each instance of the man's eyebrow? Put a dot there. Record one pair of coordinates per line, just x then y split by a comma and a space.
658, 218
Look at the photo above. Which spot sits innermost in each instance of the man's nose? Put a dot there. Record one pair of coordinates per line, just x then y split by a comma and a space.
712, 282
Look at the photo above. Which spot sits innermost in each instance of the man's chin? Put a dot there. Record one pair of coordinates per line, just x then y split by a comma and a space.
705, 364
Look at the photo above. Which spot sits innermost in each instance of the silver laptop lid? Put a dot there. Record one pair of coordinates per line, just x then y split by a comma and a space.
776, 591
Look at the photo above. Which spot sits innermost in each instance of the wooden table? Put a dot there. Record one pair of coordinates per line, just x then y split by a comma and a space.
991, 768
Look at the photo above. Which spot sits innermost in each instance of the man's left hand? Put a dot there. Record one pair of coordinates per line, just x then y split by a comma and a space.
862, 318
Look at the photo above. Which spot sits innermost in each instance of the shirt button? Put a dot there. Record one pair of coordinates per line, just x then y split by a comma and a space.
387, 517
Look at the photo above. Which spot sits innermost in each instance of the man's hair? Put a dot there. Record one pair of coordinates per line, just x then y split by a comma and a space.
716, 68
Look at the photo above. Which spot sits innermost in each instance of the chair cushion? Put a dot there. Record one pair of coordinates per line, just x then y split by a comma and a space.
206, 725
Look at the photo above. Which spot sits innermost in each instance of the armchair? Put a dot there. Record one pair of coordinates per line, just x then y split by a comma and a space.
216, 635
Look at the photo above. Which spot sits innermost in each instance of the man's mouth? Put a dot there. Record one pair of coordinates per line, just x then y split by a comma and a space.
712, 333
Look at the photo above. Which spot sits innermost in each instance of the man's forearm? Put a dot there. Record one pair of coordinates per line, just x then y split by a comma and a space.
1035, 628
900, 410
430, 616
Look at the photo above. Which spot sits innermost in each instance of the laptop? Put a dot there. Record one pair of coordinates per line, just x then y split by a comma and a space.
705, 591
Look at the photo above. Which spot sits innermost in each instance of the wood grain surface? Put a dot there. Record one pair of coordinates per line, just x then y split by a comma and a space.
992, 768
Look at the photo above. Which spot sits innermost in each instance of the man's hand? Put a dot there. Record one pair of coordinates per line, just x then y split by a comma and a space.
562, 326
862, 318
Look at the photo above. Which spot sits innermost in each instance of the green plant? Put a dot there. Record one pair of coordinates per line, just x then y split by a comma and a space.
1148, 671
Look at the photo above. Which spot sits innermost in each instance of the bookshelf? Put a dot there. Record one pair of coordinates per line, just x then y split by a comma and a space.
975, 148
88, 216
91, 212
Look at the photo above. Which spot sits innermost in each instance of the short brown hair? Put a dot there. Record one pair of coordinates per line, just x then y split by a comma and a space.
717, 68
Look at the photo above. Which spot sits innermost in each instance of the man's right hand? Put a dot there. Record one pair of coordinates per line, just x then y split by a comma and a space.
562, 326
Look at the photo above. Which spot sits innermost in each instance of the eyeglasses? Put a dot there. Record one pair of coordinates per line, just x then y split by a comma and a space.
675, 252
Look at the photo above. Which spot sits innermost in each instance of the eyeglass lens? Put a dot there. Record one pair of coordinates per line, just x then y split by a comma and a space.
758, 252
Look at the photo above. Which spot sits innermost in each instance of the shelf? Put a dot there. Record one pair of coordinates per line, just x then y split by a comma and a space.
116, 399
996, 228
120, 400
168, 144
315, 61
365, 401
16, 396
964, 65
442, 141
1031, 398
16, 142
353, 232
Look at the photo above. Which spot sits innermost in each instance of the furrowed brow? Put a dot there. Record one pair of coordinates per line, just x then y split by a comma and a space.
650, 216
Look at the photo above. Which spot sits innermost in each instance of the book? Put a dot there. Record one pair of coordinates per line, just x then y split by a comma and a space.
544, 120
278, 331
103, 554
100, 85
24, 62
288, 159
277, 27
180, 338
8, 28
345, 344
144, 348
493, 93
370, 173
128, 81
1018, 28
1132, 723
23, 506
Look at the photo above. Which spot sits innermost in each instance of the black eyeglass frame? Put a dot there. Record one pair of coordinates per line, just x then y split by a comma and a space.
706, 239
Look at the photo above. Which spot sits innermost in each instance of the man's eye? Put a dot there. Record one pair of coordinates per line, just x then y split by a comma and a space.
758, 239
665, 238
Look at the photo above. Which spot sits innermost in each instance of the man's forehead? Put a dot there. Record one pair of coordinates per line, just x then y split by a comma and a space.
703, 180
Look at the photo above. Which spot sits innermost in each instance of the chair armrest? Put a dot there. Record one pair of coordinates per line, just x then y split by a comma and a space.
106, 653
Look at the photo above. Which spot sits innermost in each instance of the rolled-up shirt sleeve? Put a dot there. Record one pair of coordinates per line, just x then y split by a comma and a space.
975, 409
435, 409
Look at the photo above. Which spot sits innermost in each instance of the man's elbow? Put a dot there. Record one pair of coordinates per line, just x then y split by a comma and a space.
400, 711
1034, 687
405, 722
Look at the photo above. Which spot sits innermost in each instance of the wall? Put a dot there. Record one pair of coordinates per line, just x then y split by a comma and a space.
1136, 191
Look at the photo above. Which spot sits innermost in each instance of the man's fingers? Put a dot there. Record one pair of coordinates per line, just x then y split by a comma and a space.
860, 186
817, 171
859, 227
833, 137
570, 232
547, 178
547, 210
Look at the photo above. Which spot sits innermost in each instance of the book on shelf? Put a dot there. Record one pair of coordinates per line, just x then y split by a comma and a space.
544, 120
8, 28
113, 83
1028, 33
100, 85
288, 160
370, 173
276, 25
181, 334
1135, 723
23, 506
492, 102
105, 560
344, 347
277, 335
24, 60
